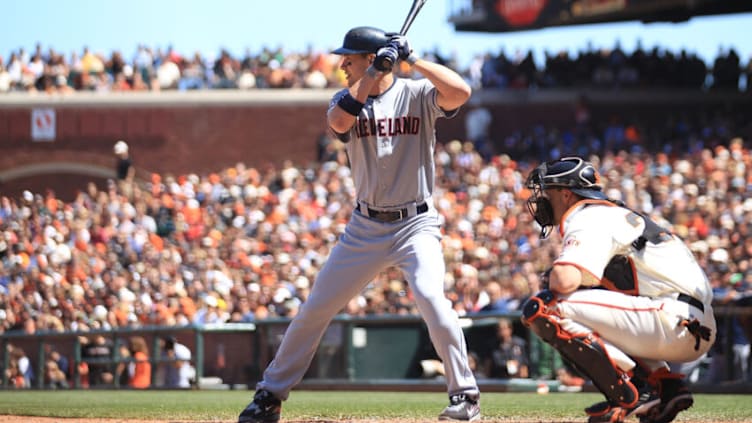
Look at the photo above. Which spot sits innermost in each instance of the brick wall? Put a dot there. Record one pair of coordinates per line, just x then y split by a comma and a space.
204, 132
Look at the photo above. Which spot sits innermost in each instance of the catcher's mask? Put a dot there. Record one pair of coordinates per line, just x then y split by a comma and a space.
572, 173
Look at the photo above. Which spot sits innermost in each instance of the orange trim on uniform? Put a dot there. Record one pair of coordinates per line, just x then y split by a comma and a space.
577, 204
593, 303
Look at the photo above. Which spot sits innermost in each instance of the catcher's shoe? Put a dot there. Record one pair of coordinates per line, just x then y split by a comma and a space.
462, 407
608, 412
265, 408
675, 398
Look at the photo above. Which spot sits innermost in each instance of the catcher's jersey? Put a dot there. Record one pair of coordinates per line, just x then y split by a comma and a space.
391, 145
597, 234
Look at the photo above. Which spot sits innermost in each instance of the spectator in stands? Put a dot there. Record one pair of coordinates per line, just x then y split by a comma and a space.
125, 172
13, 375
728, 291
225, 71
158, 234
96, 354
54, 377
726, 70
477, 129
60, 360
135, 363
20, 371
273, 68
193, 75
510, 358
5, 79
178, 372
499, 298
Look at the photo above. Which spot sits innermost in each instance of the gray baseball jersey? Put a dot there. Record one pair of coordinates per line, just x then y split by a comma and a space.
394, 134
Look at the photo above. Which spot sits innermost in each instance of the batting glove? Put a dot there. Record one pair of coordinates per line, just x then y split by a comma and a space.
386, 57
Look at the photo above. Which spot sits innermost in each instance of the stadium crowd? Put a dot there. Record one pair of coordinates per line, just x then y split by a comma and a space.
155, 69
245, 243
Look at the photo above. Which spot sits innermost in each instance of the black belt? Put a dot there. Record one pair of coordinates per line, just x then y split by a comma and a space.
393, 215
691, 301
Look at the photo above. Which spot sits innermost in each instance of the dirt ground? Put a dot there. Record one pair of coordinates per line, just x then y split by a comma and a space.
24, 419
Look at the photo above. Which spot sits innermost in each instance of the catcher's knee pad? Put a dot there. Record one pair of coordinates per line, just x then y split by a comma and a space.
584, 351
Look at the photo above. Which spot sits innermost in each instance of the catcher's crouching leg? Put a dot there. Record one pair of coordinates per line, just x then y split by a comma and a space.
585, 351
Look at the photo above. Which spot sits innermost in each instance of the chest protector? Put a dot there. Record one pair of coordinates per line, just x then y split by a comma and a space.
620, 274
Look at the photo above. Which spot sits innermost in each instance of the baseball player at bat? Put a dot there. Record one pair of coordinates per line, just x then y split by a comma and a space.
388, 125
624, 297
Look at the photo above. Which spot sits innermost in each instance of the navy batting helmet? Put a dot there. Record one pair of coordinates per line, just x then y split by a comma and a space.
363, 39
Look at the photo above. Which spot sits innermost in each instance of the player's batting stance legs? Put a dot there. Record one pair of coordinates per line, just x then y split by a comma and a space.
424, 267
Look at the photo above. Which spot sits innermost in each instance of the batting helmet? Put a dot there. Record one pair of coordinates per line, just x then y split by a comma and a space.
363, 39
572, 173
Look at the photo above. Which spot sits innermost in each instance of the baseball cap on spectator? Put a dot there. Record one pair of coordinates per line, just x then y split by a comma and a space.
27, 196
454, 146
469, 271
699, 247
676, 179
121, 147
302, 282
283, 258
747, 205
719, 255
281, 294
481, 253
683, 166
100, 312
210, 301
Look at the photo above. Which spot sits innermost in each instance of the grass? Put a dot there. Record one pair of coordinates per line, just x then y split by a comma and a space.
334, 405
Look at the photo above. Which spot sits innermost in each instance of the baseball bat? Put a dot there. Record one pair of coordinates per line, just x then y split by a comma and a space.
414, 9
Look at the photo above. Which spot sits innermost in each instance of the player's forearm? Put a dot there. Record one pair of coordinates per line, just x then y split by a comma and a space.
564, 278
339, 119
452, 90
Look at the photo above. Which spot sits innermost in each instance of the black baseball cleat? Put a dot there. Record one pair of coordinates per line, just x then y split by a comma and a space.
462, 407
265, 408
608, 412
675, 398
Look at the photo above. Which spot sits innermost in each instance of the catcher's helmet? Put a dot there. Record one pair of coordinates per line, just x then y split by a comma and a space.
363, 39
572, 173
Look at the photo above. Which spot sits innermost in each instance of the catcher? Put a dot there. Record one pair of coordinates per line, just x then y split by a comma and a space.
650, 303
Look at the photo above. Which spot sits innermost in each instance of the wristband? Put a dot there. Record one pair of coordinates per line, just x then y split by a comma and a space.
372, 72
412, 58
349, 104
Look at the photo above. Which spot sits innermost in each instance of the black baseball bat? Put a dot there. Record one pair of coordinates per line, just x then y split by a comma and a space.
414, 9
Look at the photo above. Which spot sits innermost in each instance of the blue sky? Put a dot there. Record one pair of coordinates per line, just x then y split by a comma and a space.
207, 26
